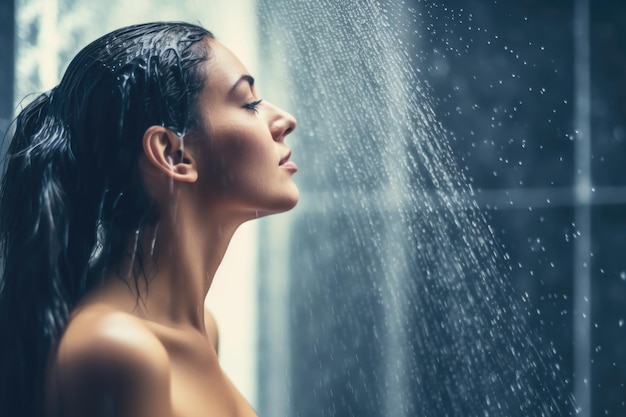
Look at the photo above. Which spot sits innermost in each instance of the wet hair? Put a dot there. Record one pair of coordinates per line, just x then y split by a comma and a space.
71, 194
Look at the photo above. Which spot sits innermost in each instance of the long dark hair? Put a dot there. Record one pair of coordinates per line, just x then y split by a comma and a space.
71, 192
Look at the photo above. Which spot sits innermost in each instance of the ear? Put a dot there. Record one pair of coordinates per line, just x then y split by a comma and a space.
165, 150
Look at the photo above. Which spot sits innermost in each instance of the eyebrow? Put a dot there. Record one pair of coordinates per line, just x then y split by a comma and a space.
245, 77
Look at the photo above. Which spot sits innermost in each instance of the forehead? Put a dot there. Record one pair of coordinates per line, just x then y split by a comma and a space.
224, 69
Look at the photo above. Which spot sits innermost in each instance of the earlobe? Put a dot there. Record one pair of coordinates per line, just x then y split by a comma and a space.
165, 151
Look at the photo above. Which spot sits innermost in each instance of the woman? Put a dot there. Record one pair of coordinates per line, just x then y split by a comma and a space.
123, 187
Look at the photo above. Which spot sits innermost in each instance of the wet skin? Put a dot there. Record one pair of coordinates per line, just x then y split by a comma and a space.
243, 149
130, 352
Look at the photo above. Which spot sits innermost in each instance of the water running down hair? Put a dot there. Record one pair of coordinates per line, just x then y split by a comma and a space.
71, 193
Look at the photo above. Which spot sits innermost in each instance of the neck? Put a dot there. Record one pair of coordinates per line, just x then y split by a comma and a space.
179, 258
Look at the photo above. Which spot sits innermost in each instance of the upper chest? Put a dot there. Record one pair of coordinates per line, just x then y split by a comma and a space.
198, 385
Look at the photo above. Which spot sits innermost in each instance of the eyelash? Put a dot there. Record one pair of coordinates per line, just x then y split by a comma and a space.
253, 105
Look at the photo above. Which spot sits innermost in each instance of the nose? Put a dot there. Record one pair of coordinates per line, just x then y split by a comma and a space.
282, 123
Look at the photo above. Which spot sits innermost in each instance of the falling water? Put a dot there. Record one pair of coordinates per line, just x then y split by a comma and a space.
402, 303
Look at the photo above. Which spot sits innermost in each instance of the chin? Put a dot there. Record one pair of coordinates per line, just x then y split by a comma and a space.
295, 197
286, 203
279, 205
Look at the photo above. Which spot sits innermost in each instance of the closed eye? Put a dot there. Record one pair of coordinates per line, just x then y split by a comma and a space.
253, 105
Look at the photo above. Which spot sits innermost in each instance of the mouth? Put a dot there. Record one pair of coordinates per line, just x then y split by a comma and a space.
285, 158
287, 164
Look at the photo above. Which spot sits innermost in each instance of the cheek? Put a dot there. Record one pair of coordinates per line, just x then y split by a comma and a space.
250, 139
242, 156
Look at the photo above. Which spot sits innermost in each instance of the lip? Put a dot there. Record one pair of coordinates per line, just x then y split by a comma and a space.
285, 158
287, 164
290, 166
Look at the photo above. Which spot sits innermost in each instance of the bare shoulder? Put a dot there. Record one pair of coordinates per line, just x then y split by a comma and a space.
109, 363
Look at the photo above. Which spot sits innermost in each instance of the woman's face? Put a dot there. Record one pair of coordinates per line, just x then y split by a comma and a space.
243, 161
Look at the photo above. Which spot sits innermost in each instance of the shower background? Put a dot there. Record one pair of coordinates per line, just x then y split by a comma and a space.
531, 97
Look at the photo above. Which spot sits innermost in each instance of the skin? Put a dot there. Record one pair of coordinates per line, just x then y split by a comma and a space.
130, 352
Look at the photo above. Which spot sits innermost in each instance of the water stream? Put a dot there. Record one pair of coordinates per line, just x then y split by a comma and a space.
400, 294
386, 292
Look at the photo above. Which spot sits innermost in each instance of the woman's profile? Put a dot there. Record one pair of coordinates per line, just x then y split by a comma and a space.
123, 186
